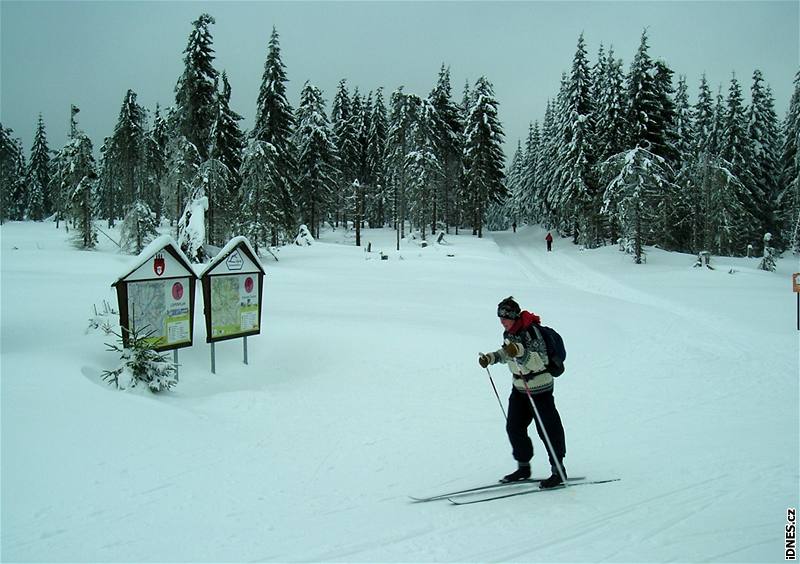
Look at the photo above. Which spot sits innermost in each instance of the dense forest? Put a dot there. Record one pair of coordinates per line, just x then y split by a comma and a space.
618, 158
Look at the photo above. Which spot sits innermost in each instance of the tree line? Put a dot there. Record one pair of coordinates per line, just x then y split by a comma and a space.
618, 157
403, 165
627, 158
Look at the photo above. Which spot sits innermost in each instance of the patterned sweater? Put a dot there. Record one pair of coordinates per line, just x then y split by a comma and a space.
531, 357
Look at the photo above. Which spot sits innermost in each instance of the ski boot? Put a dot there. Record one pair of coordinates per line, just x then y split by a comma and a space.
521, 473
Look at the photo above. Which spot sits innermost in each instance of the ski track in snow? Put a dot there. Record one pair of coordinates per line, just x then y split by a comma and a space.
309, 454
560, 268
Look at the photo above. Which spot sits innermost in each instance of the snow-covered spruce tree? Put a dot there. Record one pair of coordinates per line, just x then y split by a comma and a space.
734, 147
58, 195
716, 219
258, 210
344, 135
560, 214
713, 142
79, 177
274, 123
702, 118
736, 151
379, 205
191, 119
448, 149
155, 159
374, 158
483, 154
680, 234
650, 112
140, 364
498, 216
358, 188
671, 207
195, 93
462, 210
109, 190
398, 145
684, 128
597, 80
788, 213
529, 208
546, 167
423, 168
12, 177
579, 195
366, 175
220, 173
34, 207
642, 102
665, 139
139, 228
515, 185
183, 162
697, 163
640, 178
764, 138
726, 220
128, 149
123, 164
317, 159
610, 130
39, 201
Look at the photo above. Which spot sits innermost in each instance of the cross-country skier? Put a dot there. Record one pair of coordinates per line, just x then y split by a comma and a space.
526, 357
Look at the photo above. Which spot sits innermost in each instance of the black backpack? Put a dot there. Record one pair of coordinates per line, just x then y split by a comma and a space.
554, 344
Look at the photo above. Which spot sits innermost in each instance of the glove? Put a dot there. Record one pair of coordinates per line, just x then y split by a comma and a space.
511, 349
483, 360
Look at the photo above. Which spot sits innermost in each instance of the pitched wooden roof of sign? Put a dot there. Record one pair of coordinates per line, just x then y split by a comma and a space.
241, 242
165, 242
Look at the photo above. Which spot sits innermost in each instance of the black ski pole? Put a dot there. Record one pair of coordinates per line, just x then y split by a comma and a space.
548, 444
496, 394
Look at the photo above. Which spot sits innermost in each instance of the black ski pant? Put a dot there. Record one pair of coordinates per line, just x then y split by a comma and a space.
520, 415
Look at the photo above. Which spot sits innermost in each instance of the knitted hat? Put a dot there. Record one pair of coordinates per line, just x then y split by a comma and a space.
508, 309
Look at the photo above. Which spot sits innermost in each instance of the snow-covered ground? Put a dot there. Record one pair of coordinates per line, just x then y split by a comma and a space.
363, 388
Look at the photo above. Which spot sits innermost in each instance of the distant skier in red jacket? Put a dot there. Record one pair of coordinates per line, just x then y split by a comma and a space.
549, 240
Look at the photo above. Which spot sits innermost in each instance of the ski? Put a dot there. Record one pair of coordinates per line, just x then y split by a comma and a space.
484, 488
527, 491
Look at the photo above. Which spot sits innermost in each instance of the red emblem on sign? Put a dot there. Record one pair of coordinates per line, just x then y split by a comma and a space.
177, 290
248, 284
159, 265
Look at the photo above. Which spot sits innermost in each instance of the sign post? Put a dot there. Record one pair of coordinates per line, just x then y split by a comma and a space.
232, 284
796, 288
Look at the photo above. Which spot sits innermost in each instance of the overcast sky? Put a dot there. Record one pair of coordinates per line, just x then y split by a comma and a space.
54, 54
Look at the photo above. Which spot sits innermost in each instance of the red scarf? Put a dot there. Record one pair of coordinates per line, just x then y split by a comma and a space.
526, 319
